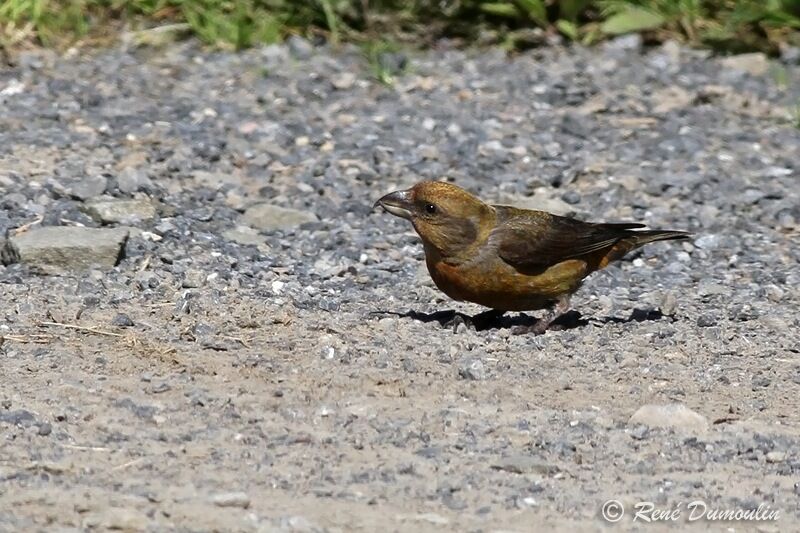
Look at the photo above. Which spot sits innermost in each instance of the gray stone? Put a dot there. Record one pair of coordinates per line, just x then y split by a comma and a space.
707, 242
775, 457
131, 180
244, 235
670, 99
122, 320
707, 320
89, 187
120, 211
756, 63
116, 518
231, 499
472, 368
343, 81
674, 416
193, 279
790, 54
268, 217
299, 47
19, 417
69, 247
631, 41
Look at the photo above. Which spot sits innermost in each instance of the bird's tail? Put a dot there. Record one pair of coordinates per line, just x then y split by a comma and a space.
636, 239
641, 238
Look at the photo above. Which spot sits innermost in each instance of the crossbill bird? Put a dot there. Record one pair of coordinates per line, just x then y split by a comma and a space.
506, 258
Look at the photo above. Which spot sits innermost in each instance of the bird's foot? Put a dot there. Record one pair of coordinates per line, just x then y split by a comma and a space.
547, 321
458, 320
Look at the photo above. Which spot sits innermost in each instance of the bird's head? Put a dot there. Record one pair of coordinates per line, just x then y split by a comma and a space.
445, 216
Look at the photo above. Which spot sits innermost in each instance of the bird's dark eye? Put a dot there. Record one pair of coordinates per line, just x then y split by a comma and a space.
430, 209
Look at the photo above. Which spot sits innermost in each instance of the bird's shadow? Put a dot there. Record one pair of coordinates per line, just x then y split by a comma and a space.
489, 320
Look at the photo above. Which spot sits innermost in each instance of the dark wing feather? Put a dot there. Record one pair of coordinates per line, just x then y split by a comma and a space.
538, 239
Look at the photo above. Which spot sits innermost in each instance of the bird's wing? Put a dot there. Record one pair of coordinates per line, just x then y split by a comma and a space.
537, 239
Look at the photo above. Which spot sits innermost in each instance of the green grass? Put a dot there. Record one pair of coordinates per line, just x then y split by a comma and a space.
382, 60
730, 25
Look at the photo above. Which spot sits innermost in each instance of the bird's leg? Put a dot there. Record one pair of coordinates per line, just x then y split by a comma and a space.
559, 308
457, 319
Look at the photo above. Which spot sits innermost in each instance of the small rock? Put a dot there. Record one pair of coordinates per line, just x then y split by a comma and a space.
706, 320
122, 320
268, 217
790, 54
116, 518
676, 416
670, 99
431, 518
669, 304
18, 417
158, 388
343, 81
131, 180
120, 211
640, 432
44, 429
631, 41
231, 499
756, 63
297, 524
193, 279
299, 47
571, 197
707, 242
775, 457
89, 187
472, 368
244, 235
743, 312
69, 247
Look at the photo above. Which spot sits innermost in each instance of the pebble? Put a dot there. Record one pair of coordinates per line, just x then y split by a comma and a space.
193, 279
268, 217
299, 47
775, 457
131, 180
120, 211
231, 499
123, 321
89, 187
69, 247
472, 368
756, 64
673, 416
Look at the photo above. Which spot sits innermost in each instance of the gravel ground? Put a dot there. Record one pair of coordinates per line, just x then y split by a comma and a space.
255, 349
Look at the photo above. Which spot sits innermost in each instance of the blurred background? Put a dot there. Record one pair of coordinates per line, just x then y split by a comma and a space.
770, 26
